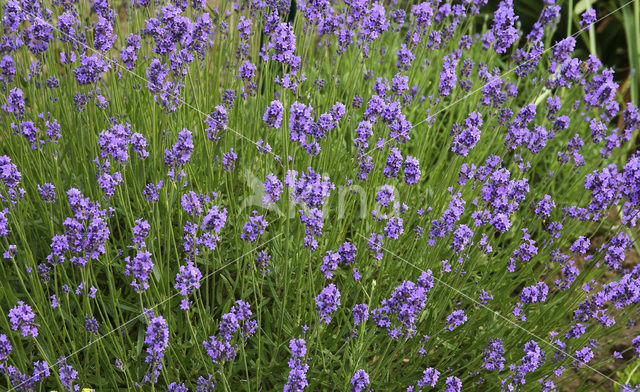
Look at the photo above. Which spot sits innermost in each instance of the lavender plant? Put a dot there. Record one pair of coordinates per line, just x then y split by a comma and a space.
353, 196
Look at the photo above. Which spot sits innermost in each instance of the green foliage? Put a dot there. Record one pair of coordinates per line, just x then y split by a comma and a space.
283, 300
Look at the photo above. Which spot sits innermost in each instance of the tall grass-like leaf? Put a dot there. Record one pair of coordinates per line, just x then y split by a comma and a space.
631, 23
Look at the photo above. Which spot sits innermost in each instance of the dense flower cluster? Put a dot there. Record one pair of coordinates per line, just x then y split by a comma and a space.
303, 127
345, 256
11, 179
399, 313
359, 381
179, 154
22, 319
272, 188
254, 227
67, 374
187, 280
493, 356
86, 232
157, 341
498, 153
141, 265
327, 302
297, 380
236, 325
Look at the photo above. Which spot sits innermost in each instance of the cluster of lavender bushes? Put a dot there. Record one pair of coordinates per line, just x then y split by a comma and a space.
353, 196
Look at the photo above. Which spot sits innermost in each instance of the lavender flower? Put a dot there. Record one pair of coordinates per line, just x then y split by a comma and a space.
229, 160
4, 223
544, 207
347, 253
281, 46
7, 69
536, 293
636, 345
47, 192
313, 221
90, 324
214, 220
503, 30
588, 18
179, 154
406, 302
150, 191
175, 387
157, 340
15, 102
297, 379
22, 318
254, 227
614, 250
467, 137
359, 381
216, 122
188, 279
67, 374
394, 228
329, 264
364, 132
90, 69
5, 348
310, 189
219, 349
448, 75
327, 302
360, 313
375, 244
493, 356
385, 195
411, 170
205, 384
394, 162
452, 384
272, 188
139, 267
273, 114
103, 37
430, 377
262, 261
405, 58
461, 238
236, 322
129, 54
456, 319
244, 28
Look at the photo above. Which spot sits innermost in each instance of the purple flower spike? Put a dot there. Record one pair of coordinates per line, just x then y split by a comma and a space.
493, 359
297, 380
22, 318
179, 154
273, 115
456, 319
327, 302
588, 18
254, 227
359, 381
157, 341
5, 348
